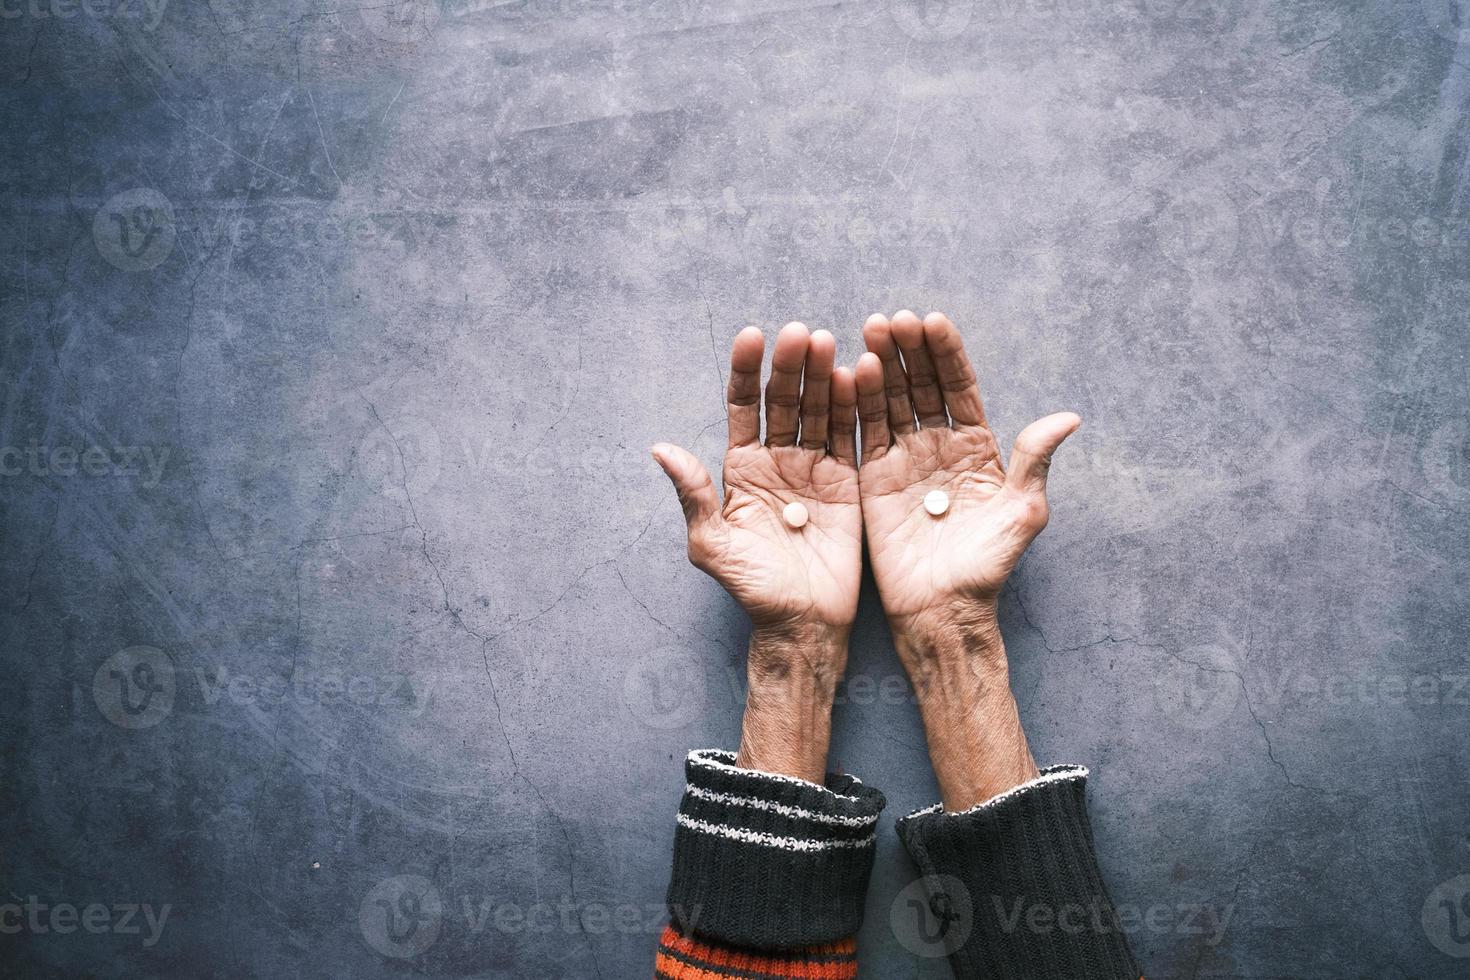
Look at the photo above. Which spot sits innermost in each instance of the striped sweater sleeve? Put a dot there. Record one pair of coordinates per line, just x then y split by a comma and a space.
769, 874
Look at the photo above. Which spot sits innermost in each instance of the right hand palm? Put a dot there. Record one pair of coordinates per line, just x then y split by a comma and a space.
959, 560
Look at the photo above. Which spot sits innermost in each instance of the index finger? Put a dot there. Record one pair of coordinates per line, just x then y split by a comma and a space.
783, 388
816, 387
743, 394
956, 376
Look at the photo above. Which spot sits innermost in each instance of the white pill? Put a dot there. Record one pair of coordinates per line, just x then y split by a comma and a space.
795, 514
936, 502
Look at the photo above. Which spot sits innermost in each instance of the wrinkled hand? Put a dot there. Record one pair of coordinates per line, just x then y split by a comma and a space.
937, 571
786, 579
799, 585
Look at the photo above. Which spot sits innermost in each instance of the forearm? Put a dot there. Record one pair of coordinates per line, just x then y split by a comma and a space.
1006, 837
957, 663
792, 675
772, 856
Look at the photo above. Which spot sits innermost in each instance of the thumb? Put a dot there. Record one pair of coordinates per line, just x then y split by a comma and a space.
1031, 457
691, 481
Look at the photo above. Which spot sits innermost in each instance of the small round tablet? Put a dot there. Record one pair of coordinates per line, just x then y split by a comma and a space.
795, 514
936, 502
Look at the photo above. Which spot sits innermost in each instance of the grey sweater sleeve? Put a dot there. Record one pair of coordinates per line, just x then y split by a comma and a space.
1013, 887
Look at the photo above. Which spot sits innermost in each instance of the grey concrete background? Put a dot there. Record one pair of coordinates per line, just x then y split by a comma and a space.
336, 577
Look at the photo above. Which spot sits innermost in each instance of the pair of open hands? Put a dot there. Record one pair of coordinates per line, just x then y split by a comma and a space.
923, 428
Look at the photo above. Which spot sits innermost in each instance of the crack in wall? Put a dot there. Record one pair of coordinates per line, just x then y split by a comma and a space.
516, 773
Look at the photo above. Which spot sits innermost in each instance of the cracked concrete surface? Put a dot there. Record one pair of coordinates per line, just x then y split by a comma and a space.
389, 665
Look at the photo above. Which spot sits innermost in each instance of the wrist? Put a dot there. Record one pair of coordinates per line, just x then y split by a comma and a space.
779, 649
950, 634
792, 675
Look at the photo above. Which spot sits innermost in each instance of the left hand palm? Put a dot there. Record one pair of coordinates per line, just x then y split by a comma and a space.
782, 576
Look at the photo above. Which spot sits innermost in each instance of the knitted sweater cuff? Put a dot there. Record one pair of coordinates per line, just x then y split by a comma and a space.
768, 861
1015, 882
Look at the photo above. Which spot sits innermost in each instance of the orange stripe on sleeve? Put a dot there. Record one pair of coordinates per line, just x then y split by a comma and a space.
667, 966
716, 957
